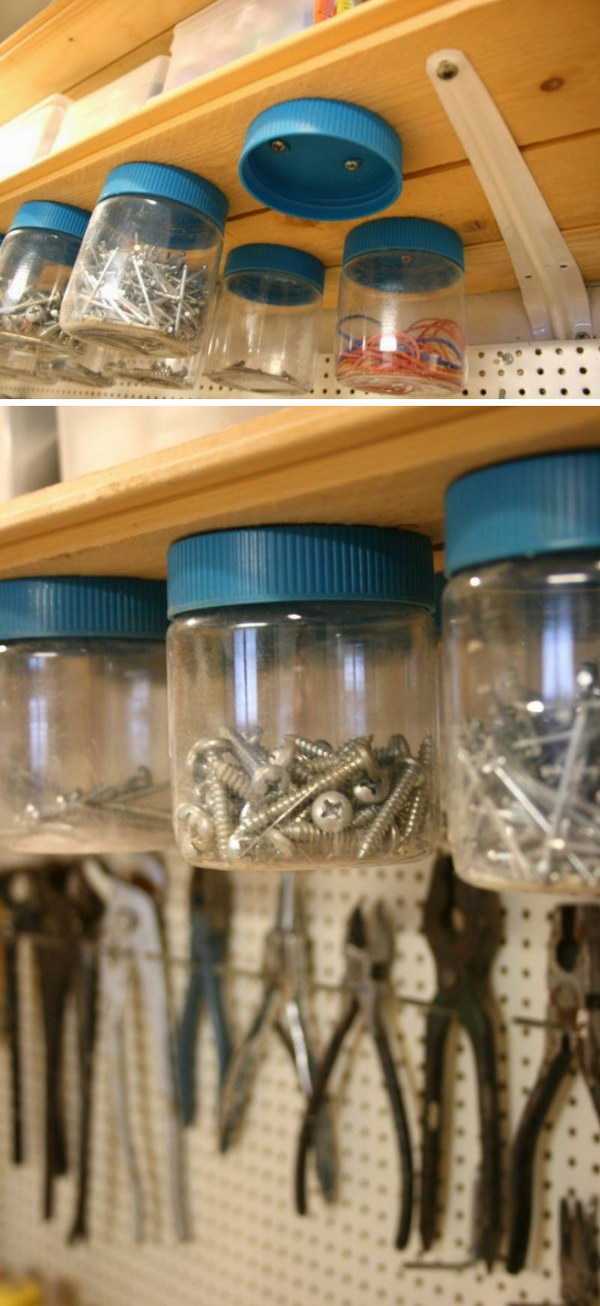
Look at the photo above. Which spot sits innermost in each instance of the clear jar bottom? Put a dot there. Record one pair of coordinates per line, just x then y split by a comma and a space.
386, 383
258, 381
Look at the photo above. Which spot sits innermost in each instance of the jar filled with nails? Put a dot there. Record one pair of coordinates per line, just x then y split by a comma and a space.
301, 696
36, 261
147, 269
83, 715
522, 661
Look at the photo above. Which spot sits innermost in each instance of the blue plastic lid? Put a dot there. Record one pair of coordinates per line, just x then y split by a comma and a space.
161, 181
117, 606
547, 504
406, 234
323, 159
299, 563
274, 274
45, 215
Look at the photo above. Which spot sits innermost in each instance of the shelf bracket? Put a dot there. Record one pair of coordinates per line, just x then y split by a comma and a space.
553, 290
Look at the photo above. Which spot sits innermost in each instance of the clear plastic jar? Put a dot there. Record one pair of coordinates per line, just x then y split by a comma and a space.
147, 269
522, 684
83, 717
301, 669
163, 373
265, 333
36, 261
401, 310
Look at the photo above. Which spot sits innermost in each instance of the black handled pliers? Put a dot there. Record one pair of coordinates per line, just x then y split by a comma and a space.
579, 1259
210, 907
284, 1007
369, 950
463, 926
573, 1035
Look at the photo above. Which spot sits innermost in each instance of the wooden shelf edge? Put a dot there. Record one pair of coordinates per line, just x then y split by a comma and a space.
387, 465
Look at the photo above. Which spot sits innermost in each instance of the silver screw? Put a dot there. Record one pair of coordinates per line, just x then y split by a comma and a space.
331, 812
412, 776
352, 165
446, 70
279, 146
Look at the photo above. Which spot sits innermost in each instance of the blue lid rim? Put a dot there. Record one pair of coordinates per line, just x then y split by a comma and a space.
296, 563
103, 607
422, 234
49, 216
524, 508
266, 257
166, 181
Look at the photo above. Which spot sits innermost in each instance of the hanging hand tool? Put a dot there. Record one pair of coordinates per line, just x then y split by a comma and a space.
579, 1261
573, 1035
367, 982
131, 939
210, 905
284, 1007
463, 927
17, 923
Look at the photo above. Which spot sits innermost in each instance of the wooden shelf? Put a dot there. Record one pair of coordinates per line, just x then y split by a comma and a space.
379, 464
375, 55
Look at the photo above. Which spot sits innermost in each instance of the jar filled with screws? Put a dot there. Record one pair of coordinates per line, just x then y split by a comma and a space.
522, 684
147, 269
83, 715
265, 334
36, 262
301, 696
401, 311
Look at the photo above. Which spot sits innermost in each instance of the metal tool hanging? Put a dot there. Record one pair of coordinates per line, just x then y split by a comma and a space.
210, 905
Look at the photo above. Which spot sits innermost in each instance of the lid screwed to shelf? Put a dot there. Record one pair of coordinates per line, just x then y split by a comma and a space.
420, 234
100, 606
322, 159
523, 508
295, 563
45, 215
274, 274
162, 181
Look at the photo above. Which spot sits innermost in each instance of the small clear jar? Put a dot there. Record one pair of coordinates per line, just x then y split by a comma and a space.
401, 309
265, 333
146, 273
83, 716
301, 669
522, 683
36, 262
160, 373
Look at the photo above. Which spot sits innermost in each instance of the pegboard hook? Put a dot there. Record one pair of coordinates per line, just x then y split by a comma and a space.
553, 290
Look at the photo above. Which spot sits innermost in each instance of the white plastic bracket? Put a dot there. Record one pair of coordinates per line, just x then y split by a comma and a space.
554, 293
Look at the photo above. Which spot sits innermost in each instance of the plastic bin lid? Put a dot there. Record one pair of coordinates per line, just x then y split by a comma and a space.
523, 508
299, 563
404, 234
295, 274
55, 606
45, 215
323, 159
162, 181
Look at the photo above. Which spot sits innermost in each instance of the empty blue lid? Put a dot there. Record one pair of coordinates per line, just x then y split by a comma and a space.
545, 504
294, 274
45, 215
55, 606
295, 563
323, 159
162, 181
419, 234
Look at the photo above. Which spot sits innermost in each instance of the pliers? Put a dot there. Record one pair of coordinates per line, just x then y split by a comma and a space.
579, 1260
285, 999
132, 939
210, 905
573, 1034
369, 950
463, 926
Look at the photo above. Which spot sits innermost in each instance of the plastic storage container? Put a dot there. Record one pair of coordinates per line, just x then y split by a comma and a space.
227, 30
146, 272
301, 695
265, 332
36, 261
401, 312
83, 717
32, 135
157, 372
92, 113
522, 655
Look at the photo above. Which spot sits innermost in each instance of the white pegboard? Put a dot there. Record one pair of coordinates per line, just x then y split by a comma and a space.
568, 372
248, 1247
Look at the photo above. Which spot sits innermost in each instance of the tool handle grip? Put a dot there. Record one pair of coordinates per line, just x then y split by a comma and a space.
523, 1154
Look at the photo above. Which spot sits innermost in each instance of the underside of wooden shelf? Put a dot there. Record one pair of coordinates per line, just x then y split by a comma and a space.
541, 69
379, 464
